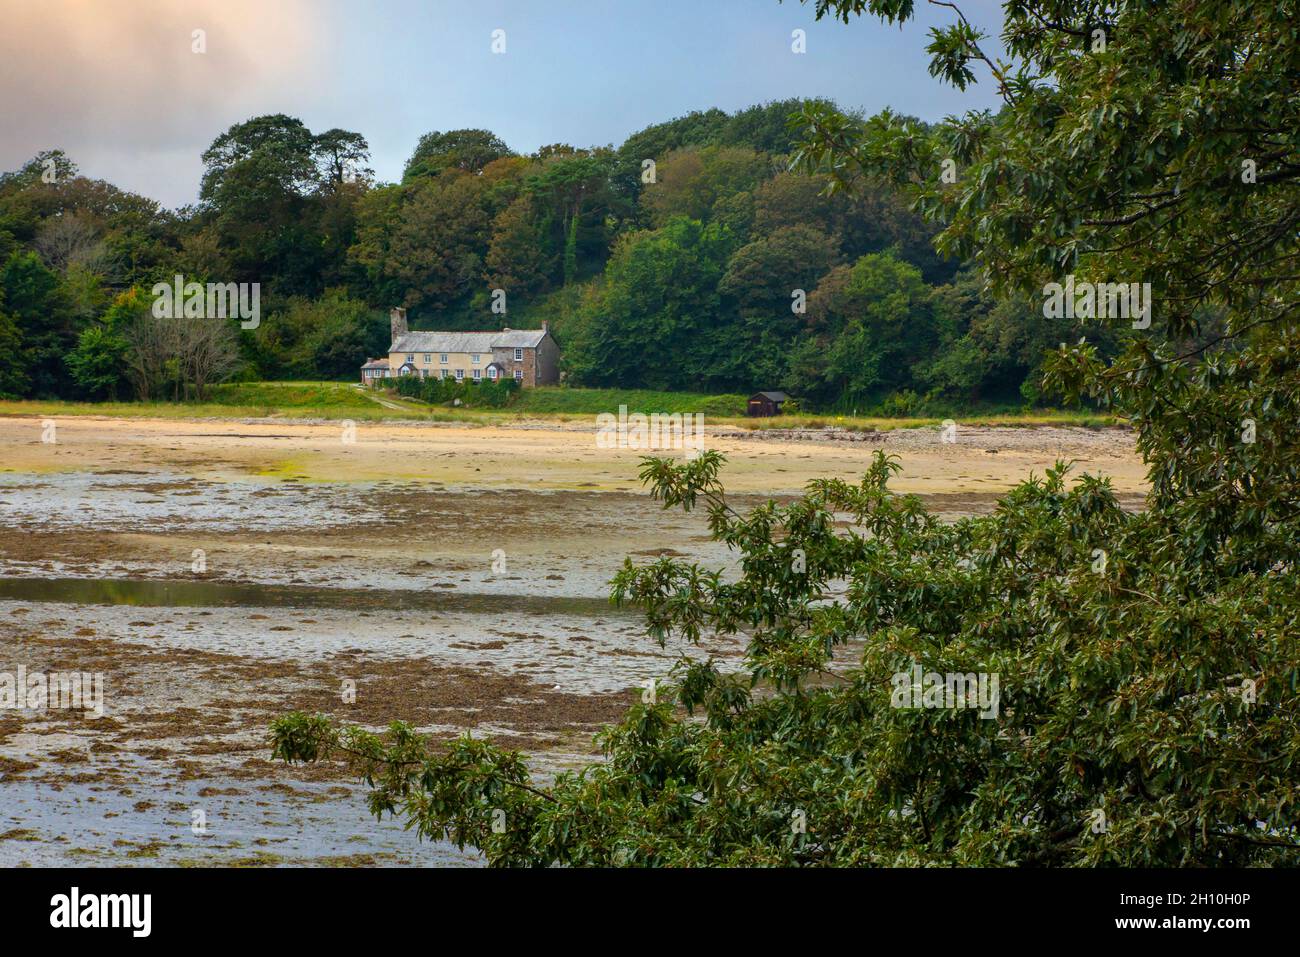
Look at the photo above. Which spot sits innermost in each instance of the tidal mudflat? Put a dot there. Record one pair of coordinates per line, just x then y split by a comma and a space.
220, 573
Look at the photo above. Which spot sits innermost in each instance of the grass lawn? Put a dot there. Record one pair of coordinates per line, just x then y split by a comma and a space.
346, 400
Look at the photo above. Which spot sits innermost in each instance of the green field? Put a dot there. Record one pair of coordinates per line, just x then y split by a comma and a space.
346, 400
551, 400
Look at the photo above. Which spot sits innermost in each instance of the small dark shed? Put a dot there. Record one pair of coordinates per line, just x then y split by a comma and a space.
766, 403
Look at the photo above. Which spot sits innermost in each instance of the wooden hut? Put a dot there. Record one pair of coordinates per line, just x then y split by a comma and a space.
766, 403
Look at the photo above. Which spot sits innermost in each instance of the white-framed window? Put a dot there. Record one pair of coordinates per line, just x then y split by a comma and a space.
519, 355
478, 374
427, 358
442, 357
474, 358
519, 375
442, 373
460, 374
410, 358
492, 373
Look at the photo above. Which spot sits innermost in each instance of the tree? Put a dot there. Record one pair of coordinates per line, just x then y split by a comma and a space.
518, 259
71, 240
281, 147
13, 376
425, 243
690, 182
762, 276
151, 356
280, 202
98, 363
574, 196
759, 289
874, 323
207, 352
991, 348
35, 298
328, 337
341, 157
1147, 662
659, 300
465, 150
166, 358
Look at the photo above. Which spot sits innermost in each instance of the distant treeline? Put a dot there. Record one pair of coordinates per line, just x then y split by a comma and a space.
712, 268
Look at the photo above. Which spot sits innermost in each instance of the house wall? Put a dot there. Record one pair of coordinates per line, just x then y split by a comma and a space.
455, 360
505, 356
548, 362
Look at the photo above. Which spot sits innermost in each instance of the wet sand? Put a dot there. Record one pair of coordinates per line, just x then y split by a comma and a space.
290, 555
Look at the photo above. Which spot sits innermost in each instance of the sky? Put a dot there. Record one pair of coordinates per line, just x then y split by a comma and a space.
117, 85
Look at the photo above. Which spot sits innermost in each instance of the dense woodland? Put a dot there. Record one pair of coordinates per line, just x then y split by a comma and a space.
681, 280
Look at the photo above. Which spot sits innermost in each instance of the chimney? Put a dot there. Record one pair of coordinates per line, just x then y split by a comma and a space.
546, 326
397, 320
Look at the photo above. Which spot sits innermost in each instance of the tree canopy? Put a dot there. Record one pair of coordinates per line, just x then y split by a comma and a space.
301, 214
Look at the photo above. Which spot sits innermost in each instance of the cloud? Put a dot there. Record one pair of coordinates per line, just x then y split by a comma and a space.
119, 87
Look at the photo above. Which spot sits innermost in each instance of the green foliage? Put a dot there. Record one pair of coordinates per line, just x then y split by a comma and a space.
564, 400
99, 362
326, 398
328, 337
661, 288
299, 213
874, 325
465, 150
36, 300
691, 182
13, 375
485, 394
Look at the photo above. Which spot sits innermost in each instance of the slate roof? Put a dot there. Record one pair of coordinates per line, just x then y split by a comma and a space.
467, 341
774, 396
376, 364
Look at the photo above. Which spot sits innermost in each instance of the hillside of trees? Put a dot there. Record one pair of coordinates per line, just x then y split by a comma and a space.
717, 270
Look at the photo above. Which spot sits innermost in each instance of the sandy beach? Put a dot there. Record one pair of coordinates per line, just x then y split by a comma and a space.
218, 573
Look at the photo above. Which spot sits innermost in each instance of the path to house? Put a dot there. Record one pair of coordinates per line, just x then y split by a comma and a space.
375, 397
218, 573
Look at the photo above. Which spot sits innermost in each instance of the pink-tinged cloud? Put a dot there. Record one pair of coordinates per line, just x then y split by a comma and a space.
118, 86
